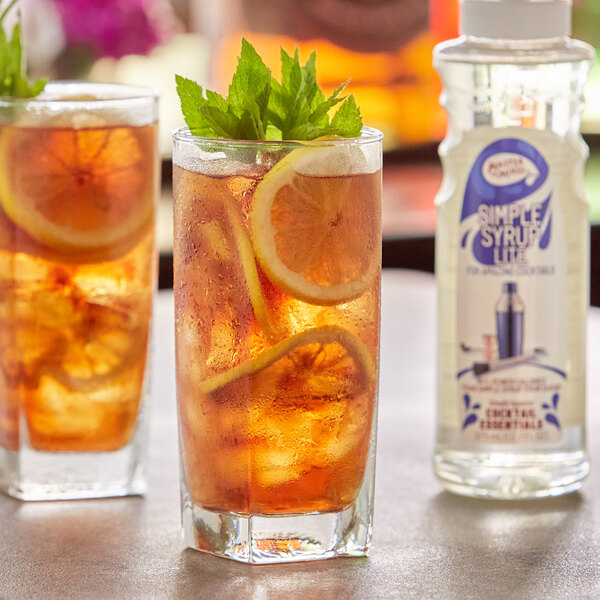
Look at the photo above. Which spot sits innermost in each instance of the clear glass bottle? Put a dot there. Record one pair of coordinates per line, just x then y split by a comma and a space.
511, 212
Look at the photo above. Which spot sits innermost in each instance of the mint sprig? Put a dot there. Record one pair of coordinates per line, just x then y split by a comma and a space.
13, 77
260, 108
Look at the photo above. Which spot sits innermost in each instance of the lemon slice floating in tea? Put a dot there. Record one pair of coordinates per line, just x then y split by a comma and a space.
321, 361
315, 221
77, 190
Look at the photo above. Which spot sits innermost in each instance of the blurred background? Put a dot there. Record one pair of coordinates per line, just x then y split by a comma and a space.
385, 46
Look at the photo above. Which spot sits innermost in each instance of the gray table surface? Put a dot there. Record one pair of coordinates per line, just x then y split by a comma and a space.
427, 543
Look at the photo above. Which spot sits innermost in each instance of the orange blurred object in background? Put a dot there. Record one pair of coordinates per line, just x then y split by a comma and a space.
443, 19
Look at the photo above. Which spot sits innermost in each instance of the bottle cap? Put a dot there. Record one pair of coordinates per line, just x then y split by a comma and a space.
516, 19
509, 287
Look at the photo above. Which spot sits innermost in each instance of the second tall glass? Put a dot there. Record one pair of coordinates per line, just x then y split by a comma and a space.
78, 185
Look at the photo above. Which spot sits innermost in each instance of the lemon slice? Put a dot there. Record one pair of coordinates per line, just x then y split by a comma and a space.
78, 190
248, 261
315, 224
352, 347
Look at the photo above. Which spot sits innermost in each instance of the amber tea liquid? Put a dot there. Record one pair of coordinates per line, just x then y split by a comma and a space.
277, 444
74, 329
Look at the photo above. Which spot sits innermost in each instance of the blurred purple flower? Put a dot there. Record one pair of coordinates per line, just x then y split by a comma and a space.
115, 27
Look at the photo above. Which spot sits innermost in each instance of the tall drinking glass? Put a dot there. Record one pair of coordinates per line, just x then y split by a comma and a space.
277, 257
78, 184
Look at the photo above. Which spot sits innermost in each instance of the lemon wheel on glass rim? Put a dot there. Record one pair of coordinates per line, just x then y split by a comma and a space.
315, 224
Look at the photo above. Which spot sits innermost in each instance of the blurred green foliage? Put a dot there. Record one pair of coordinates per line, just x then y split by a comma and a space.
586, 21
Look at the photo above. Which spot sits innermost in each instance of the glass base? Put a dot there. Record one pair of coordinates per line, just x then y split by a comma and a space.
32, 475
264, 539
503, 476
283, 538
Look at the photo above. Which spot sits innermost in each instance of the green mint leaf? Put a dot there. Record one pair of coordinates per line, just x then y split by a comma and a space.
276, 110
192, 100
222, 124
291, 74
253, 120
3, 54
250, 127
36, 87
13, 66
251, 85
273, 133
310, 75
320, 111
216, 100
347, 121
303, 128
298, 107
219, 115
258, 107
290, 106
318, 115
13, 78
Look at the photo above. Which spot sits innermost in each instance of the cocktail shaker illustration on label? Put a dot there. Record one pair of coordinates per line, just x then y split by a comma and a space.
510, 316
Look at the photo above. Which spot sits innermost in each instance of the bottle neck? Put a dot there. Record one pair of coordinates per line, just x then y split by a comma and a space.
470, 48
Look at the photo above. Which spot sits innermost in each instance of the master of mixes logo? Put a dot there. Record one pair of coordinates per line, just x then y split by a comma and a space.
507, 204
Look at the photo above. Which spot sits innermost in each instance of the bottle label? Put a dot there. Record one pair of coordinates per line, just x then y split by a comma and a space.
512, 358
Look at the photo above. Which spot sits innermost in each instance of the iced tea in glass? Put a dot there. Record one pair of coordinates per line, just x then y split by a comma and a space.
277, 257
78, 185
